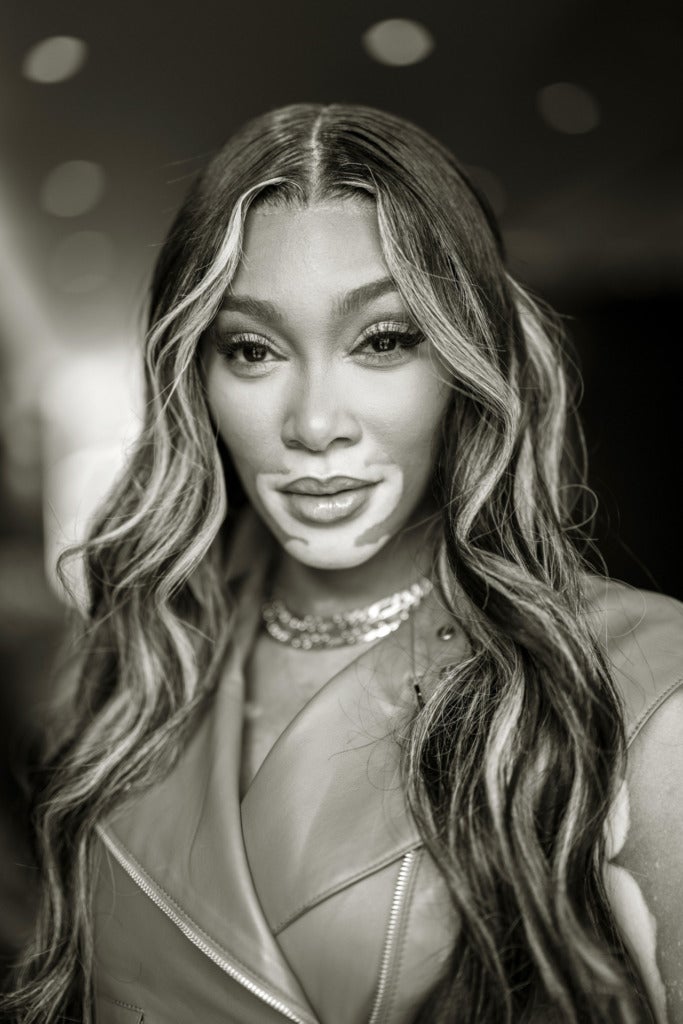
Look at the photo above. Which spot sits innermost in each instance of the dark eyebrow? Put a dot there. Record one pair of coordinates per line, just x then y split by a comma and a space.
258, 308
354, 300
349, 302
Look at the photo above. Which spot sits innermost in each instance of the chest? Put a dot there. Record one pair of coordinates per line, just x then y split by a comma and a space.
279, 683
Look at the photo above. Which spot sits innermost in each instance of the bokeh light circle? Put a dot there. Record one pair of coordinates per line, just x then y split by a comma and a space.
72, 188
82, 262
398, 42
568, 108
54, 59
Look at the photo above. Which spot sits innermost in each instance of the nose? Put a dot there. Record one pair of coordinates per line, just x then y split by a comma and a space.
318, 413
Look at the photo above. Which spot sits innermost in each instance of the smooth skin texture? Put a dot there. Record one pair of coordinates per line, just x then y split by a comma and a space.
314, 369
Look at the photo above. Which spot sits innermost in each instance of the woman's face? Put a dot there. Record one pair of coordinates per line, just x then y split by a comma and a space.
321, 386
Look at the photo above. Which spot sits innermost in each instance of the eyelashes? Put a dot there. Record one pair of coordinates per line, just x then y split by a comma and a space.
253, 350
386, 340
383, 344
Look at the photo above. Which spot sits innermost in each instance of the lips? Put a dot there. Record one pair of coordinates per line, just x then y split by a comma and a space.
315, 501
330, 485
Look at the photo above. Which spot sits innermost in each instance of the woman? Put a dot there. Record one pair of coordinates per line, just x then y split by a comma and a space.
350, 737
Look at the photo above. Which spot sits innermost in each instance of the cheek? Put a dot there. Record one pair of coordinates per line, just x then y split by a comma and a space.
252, 439
407, 422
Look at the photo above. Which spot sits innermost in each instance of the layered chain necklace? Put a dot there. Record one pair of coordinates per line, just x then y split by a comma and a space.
313, 632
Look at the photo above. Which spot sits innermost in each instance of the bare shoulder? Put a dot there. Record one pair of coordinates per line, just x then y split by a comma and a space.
642, 633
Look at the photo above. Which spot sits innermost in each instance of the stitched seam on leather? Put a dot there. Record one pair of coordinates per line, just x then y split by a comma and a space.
395, 966
124, 1005
135, 1009
348, 881
121, 1002
266, 982
127, 1006
650, 710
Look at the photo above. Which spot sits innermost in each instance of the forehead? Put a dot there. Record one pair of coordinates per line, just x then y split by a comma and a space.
331, 245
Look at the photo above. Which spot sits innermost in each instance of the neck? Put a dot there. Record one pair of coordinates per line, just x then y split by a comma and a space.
404, 559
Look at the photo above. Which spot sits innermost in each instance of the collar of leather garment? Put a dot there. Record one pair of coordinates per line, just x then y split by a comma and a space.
325, 809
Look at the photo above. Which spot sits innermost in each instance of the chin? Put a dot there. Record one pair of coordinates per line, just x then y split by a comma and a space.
331, 556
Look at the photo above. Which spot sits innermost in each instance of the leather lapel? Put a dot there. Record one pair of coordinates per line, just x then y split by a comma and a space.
185, 833
327, 806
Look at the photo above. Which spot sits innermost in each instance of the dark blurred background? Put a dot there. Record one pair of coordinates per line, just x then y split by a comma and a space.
568, 116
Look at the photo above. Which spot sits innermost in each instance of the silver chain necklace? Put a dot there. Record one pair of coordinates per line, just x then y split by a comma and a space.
313, 632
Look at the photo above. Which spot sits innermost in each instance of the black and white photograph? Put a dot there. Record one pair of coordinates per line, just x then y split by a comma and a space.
340, 472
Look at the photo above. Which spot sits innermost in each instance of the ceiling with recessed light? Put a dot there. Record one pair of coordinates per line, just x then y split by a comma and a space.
567, 114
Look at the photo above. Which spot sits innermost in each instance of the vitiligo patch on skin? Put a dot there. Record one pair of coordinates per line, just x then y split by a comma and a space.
379, 532
637, 924
313, 293
336, 545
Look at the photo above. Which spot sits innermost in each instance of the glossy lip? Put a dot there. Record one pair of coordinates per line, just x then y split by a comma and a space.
329, 485
327, 509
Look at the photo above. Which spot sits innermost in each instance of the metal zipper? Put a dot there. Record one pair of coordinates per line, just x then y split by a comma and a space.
225, 965
392, 933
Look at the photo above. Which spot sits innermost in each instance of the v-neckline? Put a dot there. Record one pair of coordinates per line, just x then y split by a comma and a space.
358, 653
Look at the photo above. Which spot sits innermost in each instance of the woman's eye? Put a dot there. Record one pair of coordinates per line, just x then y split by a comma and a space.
388, 344
384, 343
244, 351
253, 352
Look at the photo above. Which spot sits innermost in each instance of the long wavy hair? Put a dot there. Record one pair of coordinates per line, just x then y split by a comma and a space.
513, 763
